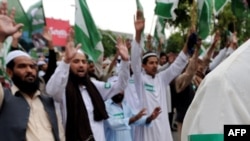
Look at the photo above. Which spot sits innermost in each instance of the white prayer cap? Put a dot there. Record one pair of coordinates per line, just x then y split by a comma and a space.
14, 54
80, 51
39, 63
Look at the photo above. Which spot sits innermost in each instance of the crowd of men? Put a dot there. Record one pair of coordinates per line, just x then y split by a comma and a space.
55, 100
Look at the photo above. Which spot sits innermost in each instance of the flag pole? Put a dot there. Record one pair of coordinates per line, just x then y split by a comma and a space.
194, 13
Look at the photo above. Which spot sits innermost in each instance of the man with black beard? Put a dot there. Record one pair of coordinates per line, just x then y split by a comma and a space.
26, 113
80, 98
122, 117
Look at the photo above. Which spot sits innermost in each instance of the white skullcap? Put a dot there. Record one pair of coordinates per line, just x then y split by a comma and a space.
14, 54
149, 55
39, 63
80, 51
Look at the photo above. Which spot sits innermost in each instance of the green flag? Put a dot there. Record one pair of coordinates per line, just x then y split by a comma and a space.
159, 32
165, 8
36, 16
86, 32
204, 17
138, 5
4, 50
239, 8
219, 5
20, 17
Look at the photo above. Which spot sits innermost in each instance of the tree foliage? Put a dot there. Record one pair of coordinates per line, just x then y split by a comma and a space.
175, 42
108, 43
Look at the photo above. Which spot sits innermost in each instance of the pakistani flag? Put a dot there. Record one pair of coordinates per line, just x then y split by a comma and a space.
219, 5
204, 17
159, 32
36, 16
20, 16
165, 8
87, 33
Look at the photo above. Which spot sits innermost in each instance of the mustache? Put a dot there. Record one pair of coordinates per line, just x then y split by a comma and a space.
29, 75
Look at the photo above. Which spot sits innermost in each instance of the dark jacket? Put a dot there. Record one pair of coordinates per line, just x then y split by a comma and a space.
14, 116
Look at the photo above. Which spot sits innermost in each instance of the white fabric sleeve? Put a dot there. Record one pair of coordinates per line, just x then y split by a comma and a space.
174, 69
218, 59
109, 89
162, 68
136, 65
58, 81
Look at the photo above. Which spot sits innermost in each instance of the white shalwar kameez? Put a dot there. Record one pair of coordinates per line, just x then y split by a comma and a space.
221, 99
56, 88
152, 93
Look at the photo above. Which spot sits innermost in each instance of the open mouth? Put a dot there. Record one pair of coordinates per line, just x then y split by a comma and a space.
81, 72
30, 78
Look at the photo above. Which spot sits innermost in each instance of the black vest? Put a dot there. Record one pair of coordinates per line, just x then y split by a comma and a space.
14, 115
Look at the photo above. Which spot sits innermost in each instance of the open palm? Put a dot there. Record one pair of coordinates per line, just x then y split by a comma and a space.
139, 21
122, 49
6, 26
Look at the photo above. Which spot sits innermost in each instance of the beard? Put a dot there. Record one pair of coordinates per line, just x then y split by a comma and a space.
80, 80
25, 86
118, 98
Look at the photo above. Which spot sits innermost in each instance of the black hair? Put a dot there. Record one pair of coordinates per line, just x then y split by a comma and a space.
11, 64
90, 62
163, 54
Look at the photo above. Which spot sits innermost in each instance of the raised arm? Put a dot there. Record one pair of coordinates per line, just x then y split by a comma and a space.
110, 89
136, 53
184, 79
7, 26
176, 67
207, 58
58, 81
52, 55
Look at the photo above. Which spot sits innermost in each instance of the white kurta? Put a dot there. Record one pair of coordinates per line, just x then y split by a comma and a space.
56, 88
152, 93
222, 98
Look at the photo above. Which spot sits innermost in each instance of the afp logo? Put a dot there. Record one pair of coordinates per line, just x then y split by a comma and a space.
236, 132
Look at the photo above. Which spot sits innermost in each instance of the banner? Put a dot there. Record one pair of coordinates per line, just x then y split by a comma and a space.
59, 30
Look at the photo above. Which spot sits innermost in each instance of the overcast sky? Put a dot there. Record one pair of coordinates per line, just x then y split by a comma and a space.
116, 15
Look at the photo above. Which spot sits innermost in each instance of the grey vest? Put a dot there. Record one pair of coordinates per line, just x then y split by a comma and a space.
14, 115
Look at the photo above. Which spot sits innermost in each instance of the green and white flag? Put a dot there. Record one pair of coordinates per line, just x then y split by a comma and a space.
4, 50
165, 8
219, 5
159, 33
138, 5
87, 33
36, 17
204, 17
20, 17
